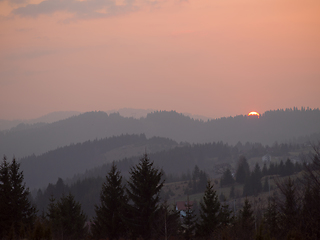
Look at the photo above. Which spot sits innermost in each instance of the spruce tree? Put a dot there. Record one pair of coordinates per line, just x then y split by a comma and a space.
243, 171
72, 217
5, 189
143, 190
108, 223
16, 211
272, 217
67, 218
226, 178
290, 208
246, 220
224, 215
209, 210
189, 222
54, 218
256, 179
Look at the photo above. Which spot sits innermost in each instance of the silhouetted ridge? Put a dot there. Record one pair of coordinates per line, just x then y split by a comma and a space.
278, 125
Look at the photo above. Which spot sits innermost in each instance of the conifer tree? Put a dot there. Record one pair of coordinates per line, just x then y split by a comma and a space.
310, 213
189, 222
5, 189
290, 208
246, 220
226, 178
108, 223
53, 216
209, 210
67, 218
16, 211
289, 167
224, 215
256, 179
144, 191
243, 171
271, 217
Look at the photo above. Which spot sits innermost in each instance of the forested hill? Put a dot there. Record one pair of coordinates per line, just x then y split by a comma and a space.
77, 158
279, 125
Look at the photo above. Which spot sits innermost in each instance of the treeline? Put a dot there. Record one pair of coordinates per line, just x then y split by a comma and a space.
252, 180
178, 162
86, 190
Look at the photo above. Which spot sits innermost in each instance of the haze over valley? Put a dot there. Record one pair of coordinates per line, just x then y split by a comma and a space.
149, 119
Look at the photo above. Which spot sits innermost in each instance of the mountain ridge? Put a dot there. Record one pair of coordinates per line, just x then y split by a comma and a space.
277, 125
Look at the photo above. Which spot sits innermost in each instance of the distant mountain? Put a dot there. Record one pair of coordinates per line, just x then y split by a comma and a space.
77, 158
48, 118
279, 125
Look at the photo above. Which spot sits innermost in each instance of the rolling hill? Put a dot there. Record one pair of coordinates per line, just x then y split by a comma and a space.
279, 125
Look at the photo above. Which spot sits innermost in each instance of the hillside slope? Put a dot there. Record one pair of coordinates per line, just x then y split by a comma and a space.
77, 158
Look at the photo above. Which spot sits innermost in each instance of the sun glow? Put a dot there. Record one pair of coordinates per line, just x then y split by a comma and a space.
253, 114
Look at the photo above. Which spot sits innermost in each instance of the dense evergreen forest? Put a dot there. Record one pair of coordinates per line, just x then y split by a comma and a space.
280, 125
92, 158
134, 209
255, 181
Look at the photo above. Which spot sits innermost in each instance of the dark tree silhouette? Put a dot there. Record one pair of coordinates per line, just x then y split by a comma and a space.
246, 220
189, 222
226, 178
209, 209
67, 218
108, 222
16, 211
143, 190
243, 171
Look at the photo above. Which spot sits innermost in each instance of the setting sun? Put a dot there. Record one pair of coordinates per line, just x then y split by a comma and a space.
253, 114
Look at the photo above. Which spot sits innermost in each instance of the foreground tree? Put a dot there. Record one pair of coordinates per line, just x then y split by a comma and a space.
209, 210
290, 208
108, 223
311, 206
67, 218
246, 221
272, 217
189, 222
144, 189
16, 211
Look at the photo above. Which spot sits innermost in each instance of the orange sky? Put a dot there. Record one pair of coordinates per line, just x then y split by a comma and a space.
213, 58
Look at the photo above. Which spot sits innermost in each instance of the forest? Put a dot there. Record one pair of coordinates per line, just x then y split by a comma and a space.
174, 181
135, 208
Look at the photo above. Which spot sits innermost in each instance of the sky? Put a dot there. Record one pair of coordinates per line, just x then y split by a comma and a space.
208, 57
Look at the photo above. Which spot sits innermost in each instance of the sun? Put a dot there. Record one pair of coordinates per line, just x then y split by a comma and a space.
254, 114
